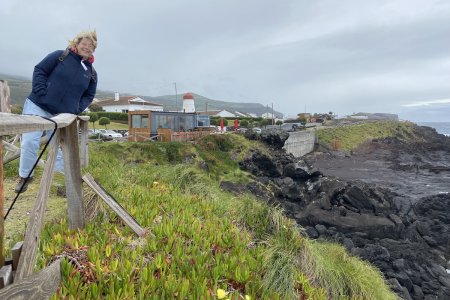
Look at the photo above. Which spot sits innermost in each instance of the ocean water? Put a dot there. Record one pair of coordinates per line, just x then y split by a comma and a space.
441, 127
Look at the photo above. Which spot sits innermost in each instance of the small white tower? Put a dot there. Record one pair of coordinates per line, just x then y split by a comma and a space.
188, 103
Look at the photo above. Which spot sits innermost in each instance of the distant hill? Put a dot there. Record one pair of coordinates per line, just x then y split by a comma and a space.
20, 88
202, 103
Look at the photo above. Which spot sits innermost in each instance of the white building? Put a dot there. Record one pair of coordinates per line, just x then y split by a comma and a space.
129, 103
188, 103
218, 113
268, 116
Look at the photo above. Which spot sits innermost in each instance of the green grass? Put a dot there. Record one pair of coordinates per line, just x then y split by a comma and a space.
346, 277
199, 238
352, 136
112, 126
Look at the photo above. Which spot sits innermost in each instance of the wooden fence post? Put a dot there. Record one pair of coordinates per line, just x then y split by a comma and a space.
2, 206
27, 258
84, 151
72, 174
39, 286
5, 100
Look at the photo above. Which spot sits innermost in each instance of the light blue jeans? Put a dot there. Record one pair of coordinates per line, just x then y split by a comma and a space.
29, 145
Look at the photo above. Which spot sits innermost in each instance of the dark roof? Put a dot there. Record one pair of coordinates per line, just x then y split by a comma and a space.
125, 101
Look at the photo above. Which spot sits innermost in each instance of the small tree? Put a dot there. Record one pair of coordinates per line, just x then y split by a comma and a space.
95, 107
214, 121
104, 121
93, 117
279, 123
265, 122
244, 123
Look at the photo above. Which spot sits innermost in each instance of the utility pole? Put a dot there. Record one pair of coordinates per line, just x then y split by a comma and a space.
176, 97
272, 114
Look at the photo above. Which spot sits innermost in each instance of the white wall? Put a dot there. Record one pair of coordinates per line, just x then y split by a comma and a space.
133, 107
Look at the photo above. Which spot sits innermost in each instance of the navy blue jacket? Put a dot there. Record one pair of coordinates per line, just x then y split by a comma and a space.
63, 86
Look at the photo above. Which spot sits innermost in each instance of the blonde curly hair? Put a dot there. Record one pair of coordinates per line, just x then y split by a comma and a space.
92, 35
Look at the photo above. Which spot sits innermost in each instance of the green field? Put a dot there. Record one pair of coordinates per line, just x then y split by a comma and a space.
351, 136
112, 125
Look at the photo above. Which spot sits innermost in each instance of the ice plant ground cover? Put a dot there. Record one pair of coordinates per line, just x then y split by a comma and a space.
200, 240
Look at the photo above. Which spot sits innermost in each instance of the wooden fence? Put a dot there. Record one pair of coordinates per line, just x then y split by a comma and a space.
75, 155
184, 136
72, 133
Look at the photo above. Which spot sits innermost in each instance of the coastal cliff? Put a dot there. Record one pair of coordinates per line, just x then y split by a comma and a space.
387, 201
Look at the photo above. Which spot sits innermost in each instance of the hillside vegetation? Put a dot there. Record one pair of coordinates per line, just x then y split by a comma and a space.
20, 88
201, 242
351, 136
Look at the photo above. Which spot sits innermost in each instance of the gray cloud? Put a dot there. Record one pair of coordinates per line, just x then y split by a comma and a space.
324, 55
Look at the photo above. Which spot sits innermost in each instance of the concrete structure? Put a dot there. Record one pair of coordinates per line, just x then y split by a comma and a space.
188, 103
300, 143
126, 104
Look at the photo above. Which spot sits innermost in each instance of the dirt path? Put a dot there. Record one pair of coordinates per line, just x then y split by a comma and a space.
19, 216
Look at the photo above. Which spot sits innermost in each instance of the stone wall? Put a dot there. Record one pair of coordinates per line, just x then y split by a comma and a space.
300, 143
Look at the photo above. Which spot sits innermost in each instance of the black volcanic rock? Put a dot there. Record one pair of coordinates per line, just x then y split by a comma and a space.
274, 137
409, 241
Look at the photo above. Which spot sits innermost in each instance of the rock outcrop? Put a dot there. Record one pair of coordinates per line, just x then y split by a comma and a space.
409, 241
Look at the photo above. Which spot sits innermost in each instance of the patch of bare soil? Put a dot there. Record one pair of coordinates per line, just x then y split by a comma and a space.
18, 218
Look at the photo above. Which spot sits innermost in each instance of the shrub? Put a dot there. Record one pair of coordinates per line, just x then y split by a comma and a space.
114, 116
104, 121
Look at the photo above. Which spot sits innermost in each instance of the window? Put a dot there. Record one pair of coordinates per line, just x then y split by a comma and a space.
139, 121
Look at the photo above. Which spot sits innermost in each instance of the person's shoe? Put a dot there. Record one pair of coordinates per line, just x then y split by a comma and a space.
22, 183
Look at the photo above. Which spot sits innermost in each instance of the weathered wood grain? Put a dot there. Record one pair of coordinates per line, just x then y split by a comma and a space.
41, 285
16, 251
6, 276
84, 151
116, 207
14, 124
72, 176
5, 97
2, 208
30, 244
10, 156
9, 147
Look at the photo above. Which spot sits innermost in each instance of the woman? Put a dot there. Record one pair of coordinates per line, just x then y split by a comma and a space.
63, 82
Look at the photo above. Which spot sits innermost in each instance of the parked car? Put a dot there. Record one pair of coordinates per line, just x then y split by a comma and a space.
256, 129
93, 131
110, 133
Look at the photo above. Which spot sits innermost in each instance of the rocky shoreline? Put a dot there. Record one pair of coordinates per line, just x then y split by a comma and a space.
388, 202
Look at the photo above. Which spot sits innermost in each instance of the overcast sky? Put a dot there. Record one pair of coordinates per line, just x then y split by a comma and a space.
324, 55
